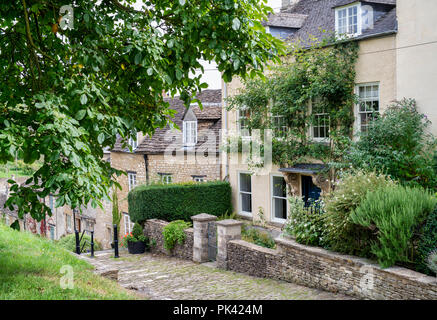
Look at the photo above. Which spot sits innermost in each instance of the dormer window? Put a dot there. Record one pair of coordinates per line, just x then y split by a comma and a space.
133, 141
189, 129
190, 133
348, 20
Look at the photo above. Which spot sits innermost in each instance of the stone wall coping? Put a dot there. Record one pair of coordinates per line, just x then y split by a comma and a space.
203, 217
229, 223
253, 246
399, 272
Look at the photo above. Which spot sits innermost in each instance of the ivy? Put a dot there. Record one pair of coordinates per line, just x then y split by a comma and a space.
323, 73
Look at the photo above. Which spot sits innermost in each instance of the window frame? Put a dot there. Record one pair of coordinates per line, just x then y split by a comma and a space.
240, 203
131, 185
272, 196
128, 225
357, 112
187, 133
165, 177
359, 20
133, 142
312, 126
242, 131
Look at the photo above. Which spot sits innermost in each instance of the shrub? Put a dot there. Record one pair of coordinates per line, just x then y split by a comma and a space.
305, 224
137, 230
257, 237
427, 243
397, 143
69, 242
341, 234
174, 233
179, 201
432, 261
394, 212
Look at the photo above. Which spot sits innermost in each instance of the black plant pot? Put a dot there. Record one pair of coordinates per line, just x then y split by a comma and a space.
136, 247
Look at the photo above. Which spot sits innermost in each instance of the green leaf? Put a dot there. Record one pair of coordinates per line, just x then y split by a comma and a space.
138, 58
236, 24
101, 138
80, 114
83, 98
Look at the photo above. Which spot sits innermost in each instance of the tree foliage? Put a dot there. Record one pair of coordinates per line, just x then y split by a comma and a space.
399, 144
321, 75
66, 93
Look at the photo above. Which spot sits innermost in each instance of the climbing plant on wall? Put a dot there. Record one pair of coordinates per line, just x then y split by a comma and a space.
318, 78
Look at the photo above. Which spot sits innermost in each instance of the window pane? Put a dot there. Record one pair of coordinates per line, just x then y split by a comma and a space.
245, 182
280, 208
246, 202
279, 187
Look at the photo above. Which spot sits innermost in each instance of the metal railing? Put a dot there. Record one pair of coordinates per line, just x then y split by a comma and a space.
79, 250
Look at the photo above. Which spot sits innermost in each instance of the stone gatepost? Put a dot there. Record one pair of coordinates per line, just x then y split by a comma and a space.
200, 245
227, 230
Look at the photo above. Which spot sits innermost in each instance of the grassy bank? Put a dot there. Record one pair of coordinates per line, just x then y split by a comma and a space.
30, 268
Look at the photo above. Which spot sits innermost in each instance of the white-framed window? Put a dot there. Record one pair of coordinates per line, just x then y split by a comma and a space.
190, 133
320, 125
279, 124
348, 20
243, 122
133, 141
132, 180
199, 179
368, 106
128, 225
166, 178
245, 193
279, 198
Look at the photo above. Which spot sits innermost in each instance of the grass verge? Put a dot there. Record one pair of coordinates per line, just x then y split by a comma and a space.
30, 269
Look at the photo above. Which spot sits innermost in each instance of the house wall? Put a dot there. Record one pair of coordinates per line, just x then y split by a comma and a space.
416, 44
376, 63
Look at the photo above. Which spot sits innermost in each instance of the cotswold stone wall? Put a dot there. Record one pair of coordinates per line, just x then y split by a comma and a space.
330, 271
153, 230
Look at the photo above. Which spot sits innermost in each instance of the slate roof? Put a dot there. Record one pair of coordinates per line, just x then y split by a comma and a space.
320, 15
286, 20
209, 117
346, 2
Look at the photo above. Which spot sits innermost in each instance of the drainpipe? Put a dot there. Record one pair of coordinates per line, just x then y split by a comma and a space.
225, 95
146, 162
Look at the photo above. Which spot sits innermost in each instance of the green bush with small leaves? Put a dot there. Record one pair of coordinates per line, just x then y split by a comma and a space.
174, 233
393, 213
427, 243
257, 237
305, 224
69, 242
341, 234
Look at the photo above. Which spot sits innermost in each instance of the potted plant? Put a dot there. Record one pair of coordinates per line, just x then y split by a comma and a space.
136, 242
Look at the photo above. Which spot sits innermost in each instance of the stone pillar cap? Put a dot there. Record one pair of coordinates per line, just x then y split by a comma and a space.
203, 217
229, 223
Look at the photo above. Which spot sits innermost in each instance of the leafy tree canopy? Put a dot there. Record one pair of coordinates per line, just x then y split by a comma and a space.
68, 90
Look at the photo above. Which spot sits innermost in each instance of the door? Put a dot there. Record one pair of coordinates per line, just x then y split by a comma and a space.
310, 192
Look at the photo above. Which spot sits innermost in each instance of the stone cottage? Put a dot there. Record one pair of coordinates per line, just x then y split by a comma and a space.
190, 153
397, 42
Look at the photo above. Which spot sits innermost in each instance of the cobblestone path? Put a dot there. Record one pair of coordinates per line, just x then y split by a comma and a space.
160, 277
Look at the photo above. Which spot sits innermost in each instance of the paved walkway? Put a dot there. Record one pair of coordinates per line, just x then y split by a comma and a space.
160, 277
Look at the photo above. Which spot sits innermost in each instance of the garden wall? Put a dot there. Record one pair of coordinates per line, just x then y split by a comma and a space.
322, 269
153, 230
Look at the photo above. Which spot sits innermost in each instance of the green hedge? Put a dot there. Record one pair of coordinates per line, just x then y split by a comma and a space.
179, 201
